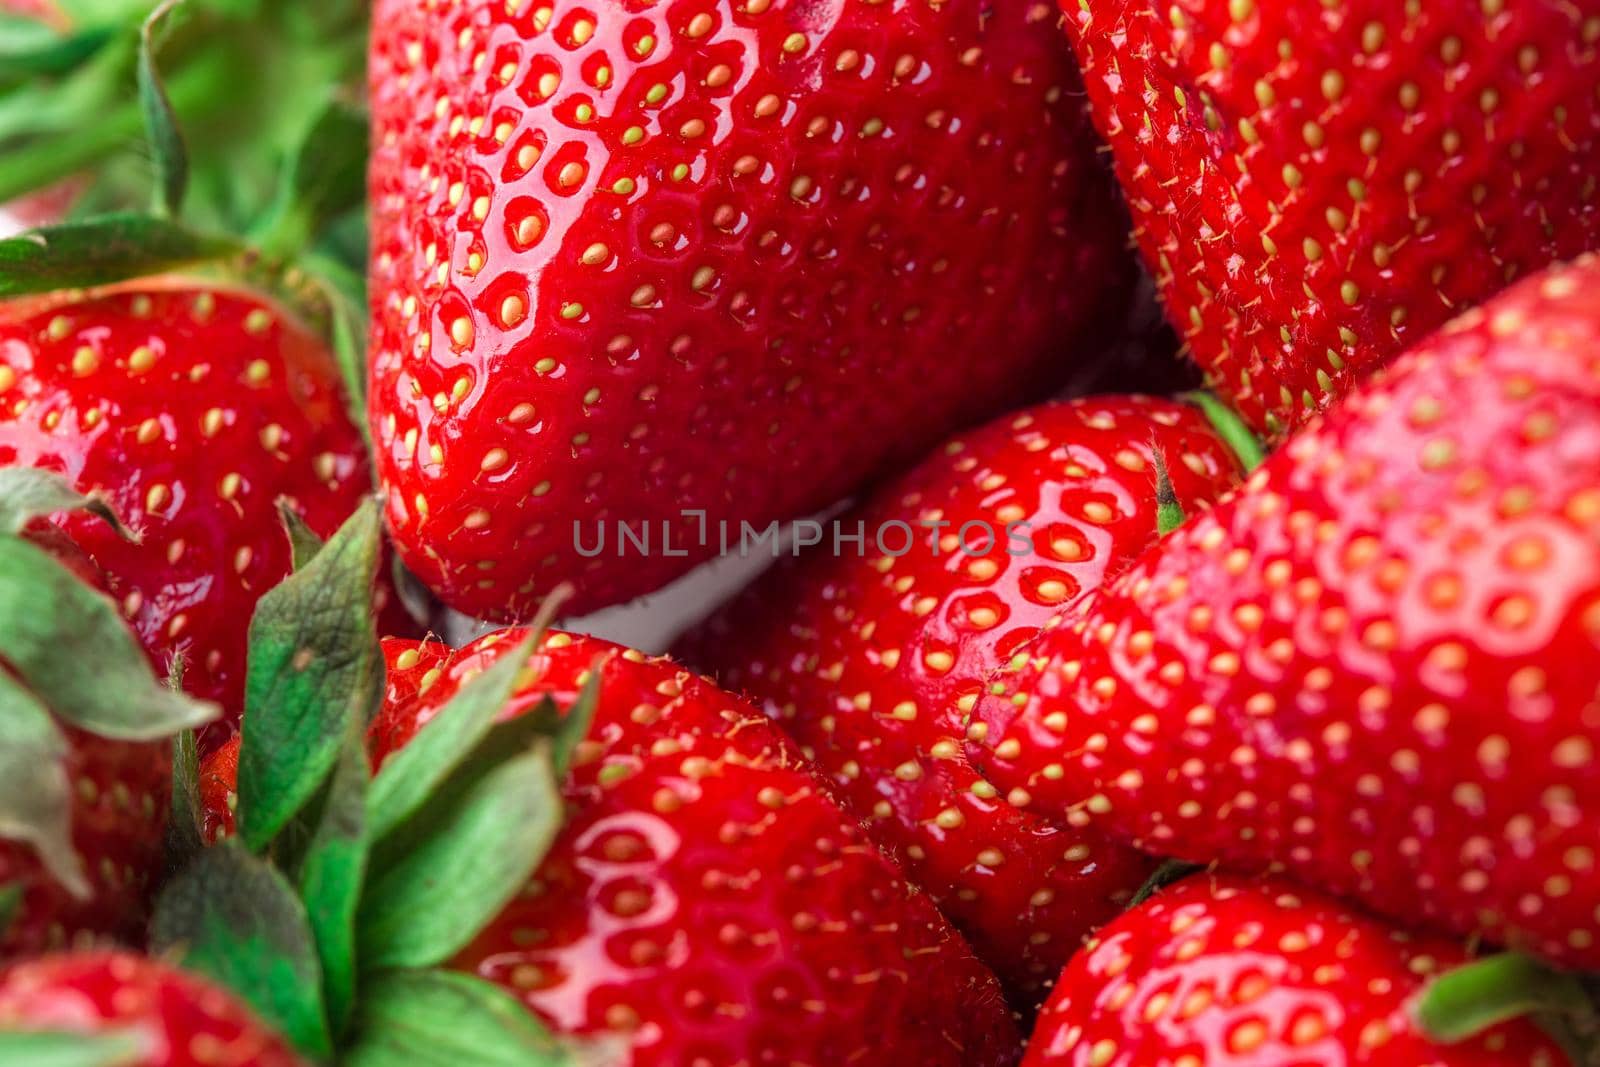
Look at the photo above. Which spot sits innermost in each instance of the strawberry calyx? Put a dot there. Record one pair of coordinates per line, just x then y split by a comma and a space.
118, 1047
1470, 999
343, 890
55, 625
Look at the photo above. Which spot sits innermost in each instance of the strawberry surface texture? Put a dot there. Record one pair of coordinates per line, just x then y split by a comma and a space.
632, 259
1373, 666
1317, 185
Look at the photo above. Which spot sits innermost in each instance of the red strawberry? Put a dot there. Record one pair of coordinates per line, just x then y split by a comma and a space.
871, 661
634, 259
168, 1018
1318, 183
1222, 972
707, 901
192, 409
1374, 665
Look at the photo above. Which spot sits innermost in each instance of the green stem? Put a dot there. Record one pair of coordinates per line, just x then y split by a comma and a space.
1476, 996
1230, 427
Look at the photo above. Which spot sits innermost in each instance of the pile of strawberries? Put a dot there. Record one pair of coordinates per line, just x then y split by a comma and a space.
1225, 693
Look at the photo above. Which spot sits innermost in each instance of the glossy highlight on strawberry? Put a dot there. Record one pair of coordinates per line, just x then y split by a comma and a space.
871, 661
1373, 666
192, 409
1220, 971
1317, 185
637, 258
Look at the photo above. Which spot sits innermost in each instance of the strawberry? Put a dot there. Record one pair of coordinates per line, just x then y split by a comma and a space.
193, 409
85, 769
638, 259
138, 1012
1224, 972
1374, 665
706, 901
1317, 184
871, 659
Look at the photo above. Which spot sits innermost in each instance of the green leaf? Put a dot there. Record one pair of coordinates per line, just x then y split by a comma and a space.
331, 875
410, 776
446, 1019
314, 664
29, 48
184, 841
98, 251
456, 865
35, 793
304, 544
567, 729
234, 919
10, 902
1464, 1002
171, 155
54, 624
326, 176
28, 493
70, 1048
1169, 509
1230, 427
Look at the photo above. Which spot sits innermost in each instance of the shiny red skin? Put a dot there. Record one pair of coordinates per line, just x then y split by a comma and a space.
180, 1020
120, 796
1224, 972
872, 661
707, 902
892, 230
1317, 186
1374, 666
241, 406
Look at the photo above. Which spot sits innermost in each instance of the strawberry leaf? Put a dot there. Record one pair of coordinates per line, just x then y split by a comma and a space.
567, 729
304, 544
314, 663
71, 1048
171, 155
98, 251
459, 862
35, 794
1466, 1001
445, 1019
54, 624
325, 177
28, 493
331, 875
234, 919
416, 771
183, 840
29, 48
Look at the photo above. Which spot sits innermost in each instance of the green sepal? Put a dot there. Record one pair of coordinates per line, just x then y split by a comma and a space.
35, 793
233, 918
443, 876
54, 624
325, 177
168, 151
1239, 438
10, 903
304, 544
331, 876
411, 775
103, 250
447, 1019
1472, 998
314, 661
1166, 874
1169, 510
184, 840
71, 1048
28, 493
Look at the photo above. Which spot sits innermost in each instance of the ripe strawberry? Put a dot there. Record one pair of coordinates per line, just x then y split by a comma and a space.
1225, 972
707, 901
1318, 184
636, 259
1374, 665
192, 409
872, 660
167, 1017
